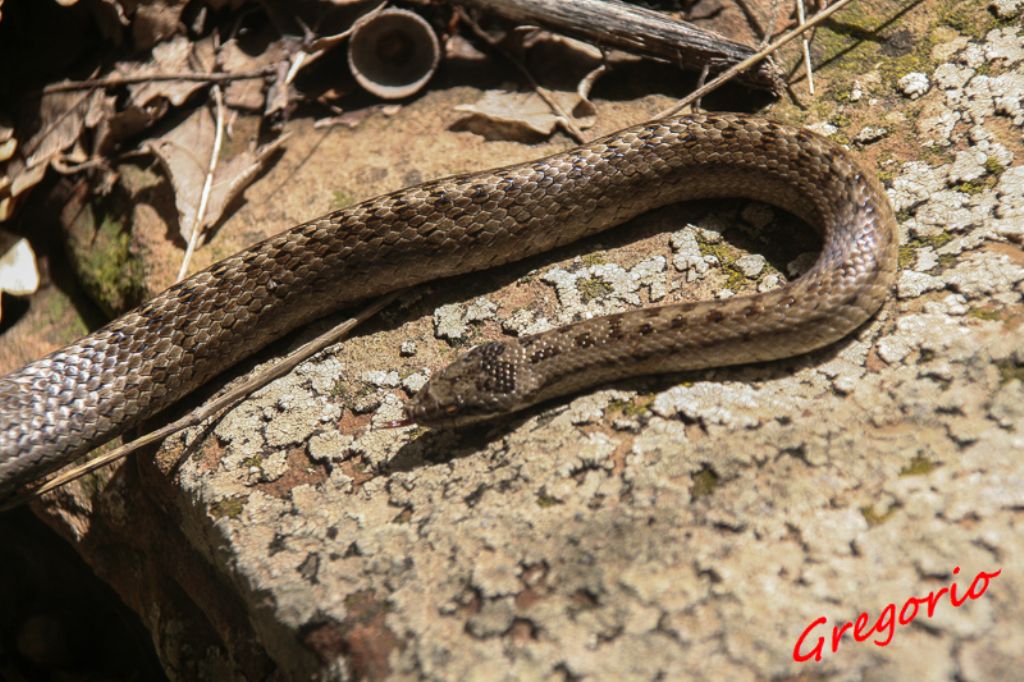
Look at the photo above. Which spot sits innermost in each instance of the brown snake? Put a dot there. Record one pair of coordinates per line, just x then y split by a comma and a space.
60, 407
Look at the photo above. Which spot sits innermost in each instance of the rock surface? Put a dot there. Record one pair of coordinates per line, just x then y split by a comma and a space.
662, 528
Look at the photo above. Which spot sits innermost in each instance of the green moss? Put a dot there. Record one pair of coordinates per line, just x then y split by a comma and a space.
720, 250
629, 408
58, 312
969, 18
863, 38
544, 500
990, 314
908, 251
918, 466
907, 257
593, 288
993, 167
839, 120
593, 259
230, 507
109, 272
341, 199
874, 518
734, 279
704, 482
1009, 371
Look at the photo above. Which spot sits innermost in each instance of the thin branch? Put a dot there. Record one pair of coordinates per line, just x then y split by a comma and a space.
753, 59
114, 81
204, 198
801, 18
215, 406
773, 17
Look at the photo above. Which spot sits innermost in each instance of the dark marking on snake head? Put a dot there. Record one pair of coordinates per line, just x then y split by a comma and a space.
615, 328
543, 353
584, 340
499, 376
751, 310
646, 328
678, 321
715, 316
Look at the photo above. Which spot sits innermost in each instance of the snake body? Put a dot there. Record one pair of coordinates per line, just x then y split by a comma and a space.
67, 403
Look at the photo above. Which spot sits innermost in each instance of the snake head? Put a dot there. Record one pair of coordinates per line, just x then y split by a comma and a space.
482, 384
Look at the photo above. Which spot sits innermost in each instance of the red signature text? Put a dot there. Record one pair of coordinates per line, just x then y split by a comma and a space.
811, 645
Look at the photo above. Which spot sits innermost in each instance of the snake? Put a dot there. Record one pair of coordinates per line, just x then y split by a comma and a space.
60, 407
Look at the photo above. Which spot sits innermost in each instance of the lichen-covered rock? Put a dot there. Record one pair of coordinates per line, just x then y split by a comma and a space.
664, 528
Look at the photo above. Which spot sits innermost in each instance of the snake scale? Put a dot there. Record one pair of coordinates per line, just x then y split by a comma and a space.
60, 407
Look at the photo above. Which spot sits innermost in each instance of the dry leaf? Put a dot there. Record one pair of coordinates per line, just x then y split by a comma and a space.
126, 124
501, 113
60, 118
566, 71
18, 273
7, 148
184, 152
56, 124
247, 94
173, 56
22, 178
155, 21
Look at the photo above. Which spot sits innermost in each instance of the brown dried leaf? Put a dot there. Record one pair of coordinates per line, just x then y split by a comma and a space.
124, 125
156, 21
57, 124
173, 56
511, 109
19, 275
247, 94
22, 178
184, 153
7, 148
101, 107
6, 129
59, 121
499, 113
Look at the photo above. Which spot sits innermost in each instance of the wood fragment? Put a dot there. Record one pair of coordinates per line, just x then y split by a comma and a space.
613, 23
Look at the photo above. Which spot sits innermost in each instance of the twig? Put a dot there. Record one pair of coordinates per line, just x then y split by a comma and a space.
753, 59
564, 118
773, 16
114, 81
216, 405
806, 47
700, 83
204, 198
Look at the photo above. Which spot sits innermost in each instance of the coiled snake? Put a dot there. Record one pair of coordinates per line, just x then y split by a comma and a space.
62, 406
